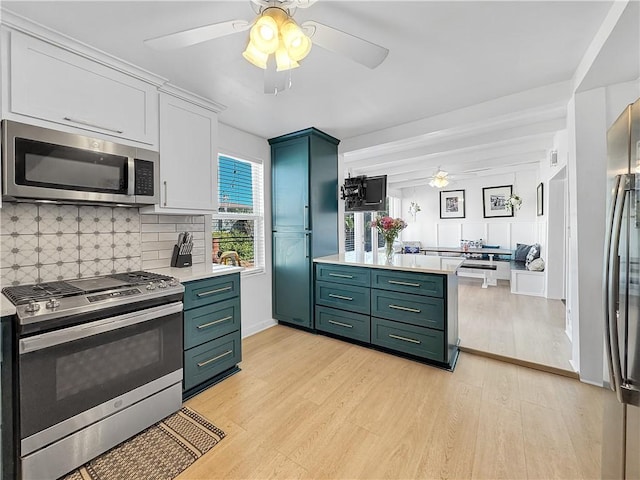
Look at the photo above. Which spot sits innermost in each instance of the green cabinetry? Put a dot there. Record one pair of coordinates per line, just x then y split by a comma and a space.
304, 186
212, 333
409, 313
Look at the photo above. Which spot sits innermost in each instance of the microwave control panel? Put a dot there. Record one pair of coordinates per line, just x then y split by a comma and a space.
144, 177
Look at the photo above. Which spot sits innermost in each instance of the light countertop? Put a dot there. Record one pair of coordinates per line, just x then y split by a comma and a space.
197, 272
412, 263
6, 307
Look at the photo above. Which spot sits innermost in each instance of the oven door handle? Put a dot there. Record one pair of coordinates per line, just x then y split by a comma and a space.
65, 335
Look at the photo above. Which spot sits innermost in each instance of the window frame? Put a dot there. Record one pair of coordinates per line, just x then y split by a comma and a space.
258, 215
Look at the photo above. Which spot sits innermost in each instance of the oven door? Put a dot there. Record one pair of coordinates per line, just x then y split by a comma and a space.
73, 377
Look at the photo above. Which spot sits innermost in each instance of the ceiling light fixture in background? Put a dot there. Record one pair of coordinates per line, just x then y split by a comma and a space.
439, 180
275, 32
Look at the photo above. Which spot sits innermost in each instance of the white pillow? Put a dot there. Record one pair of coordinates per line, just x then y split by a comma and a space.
536, 265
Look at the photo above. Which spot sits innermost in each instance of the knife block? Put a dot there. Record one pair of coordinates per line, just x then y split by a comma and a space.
178, 260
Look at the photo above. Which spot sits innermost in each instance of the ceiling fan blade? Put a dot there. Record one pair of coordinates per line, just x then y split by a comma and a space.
304, 3
359, 50
192, 36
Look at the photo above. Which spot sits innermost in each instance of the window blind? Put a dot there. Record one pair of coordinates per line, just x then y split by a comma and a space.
239, 224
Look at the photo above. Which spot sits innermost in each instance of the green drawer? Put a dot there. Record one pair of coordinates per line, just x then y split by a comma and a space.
418, 341
210, 290
345, 297
208, 360
408, 282
211, 321
345, 324
406, 308
343, 274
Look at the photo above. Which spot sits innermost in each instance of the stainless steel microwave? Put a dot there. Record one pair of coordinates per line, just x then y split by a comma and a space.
44, 164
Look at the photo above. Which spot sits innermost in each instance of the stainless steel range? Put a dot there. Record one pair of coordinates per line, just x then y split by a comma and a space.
98, 360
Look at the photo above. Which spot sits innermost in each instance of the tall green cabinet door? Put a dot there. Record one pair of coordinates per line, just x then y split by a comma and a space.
290, 185
292, 278
304, 210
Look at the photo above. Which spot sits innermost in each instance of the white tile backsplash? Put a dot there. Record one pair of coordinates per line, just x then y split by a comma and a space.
19, 219
54, 248
58, 219
160, 234
41, 242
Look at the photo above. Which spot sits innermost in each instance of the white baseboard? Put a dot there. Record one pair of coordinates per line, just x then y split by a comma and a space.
258, 327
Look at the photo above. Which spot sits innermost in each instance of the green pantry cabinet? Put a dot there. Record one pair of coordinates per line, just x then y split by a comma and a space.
409, 313
212, 340
304, 183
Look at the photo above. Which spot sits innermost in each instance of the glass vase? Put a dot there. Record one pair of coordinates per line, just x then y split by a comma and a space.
388, 248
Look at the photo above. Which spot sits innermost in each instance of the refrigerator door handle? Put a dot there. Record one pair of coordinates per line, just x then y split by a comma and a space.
607, 281
612, 271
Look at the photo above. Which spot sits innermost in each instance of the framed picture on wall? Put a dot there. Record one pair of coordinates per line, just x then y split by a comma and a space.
494, 200
452, 204
539, 200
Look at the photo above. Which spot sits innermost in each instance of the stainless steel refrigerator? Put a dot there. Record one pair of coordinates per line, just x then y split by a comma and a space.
621, 425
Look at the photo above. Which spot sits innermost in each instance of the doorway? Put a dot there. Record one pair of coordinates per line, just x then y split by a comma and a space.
527, 330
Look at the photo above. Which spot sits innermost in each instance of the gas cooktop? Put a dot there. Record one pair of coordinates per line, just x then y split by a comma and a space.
56, 299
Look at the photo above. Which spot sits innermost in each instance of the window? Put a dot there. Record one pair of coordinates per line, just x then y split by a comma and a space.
239, 224
358, 234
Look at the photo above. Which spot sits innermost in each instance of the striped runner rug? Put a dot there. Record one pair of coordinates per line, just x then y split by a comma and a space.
160, 452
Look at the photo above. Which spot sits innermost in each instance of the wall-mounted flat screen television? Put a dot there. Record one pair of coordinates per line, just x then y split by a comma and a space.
365, 194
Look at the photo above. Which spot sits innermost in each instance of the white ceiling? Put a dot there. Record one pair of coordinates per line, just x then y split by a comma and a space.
444, 56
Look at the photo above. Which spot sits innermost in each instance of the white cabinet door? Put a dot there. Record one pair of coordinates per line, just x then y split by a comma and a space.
54, 84
188, 155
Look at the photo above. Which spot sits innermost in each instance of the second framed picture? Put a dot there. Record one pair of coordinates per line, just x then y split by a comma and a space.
494, 200
452, 204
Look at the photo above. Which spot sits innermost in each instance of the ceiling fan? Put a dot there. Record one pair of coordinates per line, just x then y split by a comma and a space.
275, 31
439, 179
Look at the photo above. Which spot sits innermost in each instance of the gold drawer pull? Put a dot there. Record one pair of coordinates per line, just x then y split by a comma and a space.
410, 340
341, 324
340, 275
211, 292
341, 297
406, 284
215, 322
405, 309
207, 362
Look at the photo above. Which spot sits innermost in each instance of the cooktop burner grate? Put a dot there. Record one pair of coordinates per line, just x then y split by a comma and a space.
24, 293
139, 277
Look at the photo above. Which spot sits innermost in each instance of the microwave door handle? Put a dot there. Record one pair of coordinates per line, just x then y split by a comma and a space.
613, 286
131, 165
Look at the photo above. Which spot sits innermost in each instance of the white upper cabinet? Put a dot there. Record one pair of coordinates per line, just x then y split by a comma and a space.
54, 84
188, 154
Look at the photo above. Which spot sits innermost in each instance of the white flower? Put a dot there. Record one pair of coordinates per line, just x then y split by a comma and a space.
513, 202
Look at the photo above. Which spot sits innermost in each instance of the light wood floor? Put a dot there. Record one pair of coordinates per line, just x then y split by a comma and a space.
308, 406
528, 328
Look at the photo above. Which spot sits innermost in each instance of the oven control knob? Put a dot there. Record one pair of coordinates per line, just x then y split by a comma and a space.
173, 282
52, 303
151, 286
162, 284
32, 307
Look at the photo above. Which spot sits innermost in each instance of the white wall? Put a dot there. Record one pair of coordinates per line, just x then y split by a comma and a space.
431, 230
256, 288
591, 114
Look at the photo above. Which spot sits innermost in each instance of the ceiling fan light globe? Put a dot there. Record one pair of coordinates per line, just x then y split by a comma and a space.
284, 61
264, 34
296, 42
255, 56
